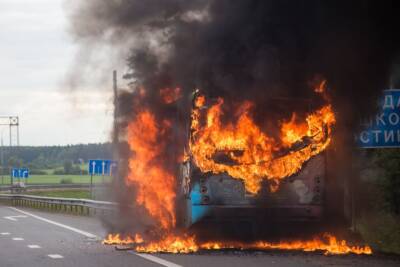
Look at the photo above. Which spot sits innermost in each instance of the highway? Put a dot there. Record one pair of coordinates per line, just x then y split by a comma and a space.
34, 238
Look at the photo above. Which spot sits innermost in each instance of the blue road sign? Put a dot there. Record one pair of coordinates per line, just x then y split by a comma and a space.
20, 173
383, 130
102, 167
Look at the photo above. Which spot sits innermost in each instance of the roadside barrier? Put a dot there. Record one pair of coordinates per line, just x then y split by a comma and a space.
54, 186
70, 205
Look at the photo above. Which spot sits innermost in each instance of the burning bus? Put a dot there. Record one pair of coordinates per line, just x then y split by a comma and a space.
235, 171
231, 170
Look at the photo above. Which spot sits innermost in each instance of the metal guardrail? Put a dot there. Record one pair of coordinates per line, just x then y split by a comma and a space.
53, 186
75, 205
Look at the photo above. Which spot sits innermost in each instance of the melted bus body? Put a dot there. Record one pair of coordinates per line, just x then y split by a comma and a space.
217, 197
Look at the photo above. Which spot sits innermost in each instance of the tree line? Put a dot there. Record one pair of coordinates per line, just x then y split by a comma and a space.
66, 158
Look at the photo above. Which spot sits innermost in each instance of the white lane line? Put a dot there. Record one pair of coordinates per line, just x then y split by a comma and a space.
34, 246
5, 233
145, 256
55, 256
156, 259
14, 218
18, 239
56, 223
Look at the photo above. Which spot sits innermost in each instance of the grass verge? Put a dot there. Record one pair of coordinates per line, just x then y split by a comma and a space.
381, 231
63, 193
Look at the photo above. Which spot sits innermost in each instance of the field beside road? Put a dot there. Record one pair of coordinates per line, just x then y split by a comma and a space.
78, 193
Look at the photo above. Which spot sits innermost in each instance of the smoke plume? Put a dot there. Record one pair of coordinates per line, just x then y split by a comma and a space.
255, 50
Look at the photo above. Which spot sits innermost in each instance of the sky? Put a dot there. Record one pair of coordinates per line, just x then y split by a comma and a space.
36, 53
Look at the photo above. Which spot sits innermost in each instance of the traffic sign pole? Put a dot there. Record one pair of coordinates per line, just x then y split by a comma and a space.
93, 167
91, 186
102, 172
103, 167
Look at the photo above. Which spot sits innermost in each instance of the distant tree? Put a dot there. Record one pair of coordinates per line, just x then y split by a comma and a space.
14, 162
389, 161
68, 167
40, 162
48, 157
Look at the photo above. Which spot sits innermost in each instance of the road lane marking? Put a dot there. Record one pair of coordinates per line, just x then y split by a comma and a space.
5, 233
55, 256
18, 239
14, 218
34, 246
156, 259
89, 235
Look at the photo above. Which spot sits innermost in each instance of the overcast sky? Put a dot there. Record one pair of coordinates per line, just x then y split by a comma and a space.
36, 52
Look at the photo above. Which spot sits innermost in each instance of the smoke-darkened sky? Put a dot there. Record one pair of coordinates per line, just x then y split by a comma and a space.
57, 56
250, 49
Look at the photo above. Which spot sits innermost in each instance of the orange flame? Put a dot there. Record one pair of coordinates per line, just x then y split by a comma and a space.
155, 185
293, 132
199, 101
329, 244
321, 87
117, 239
258, 160
170, 95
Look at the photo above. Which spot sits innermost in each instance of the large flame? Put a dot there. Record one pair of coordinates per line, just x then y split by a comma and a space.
258, 158
155, 185
327, 243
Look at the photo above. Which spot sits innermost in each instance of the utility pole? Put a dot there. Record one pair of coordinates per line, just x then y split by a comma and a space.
13, 124
115, 128
115, 139
2, 159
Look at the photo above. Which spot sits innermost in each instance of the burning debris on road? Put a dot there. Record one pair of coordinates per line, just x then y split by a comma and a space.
178, 244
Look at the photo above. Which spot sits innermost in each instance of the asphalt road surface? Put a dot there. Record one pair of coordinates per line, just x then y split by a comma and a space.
33, 238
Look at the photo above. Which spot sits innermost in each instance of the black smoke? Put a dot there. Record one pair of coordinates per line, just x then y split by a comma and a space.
254, 50
251, 49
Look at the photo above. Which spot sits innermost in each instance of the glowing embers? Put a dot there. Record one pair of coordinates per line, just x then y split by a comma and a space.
327, 243
170, 95
114, 239
258, 158
169, 244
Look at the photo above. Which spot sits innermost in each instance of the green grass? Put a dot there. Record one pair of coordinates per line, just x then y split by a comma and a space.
48, 171
63, 193
381, 231
56, 179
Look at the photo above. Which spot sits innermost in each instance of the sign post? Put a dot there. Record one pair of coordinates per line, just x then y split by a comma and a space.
19, 173
92, 166
103, 167
91, 186
382, 130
